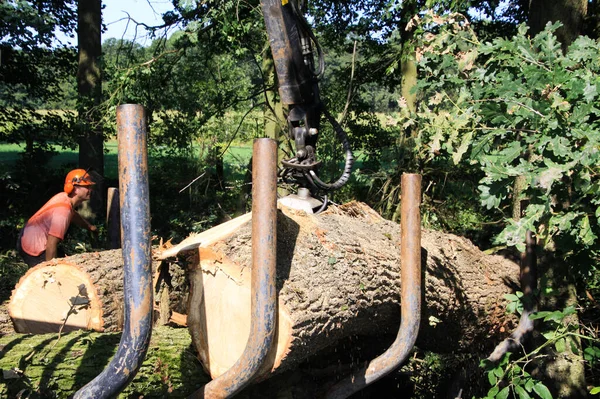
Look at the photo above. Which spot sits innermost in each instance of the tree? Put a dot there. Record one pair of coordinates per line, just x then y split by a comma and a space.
520, 109
33, 69
571, 13
89, 87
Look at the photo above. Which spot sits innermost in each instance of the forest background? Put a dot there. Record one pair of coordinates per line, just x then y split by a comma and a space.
493, 102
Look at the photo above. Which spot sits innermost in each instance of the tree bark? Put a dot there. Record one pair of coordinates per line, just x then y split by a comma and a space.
89, 88
571, 13
338, 276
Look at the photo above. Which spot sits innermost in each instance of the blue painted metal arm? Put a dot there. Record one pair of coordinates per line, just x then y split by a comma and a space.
137, 257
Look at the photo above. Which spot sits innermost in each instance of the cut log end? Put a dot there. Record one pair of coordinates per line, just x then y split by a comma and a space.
55, 296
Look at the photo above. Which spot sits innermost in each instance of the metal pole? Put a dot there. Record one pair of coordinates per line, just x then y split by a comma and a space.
410, 255
264, 296
137, 257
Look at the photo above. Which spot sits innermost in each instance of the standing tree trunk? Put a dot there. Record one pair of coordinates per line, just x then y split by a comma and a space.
571, 13
89, 88
409, 65
564, 372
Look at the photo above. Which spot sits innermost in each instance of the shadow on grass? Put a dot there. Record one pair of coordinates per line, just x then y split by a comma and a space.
45, 368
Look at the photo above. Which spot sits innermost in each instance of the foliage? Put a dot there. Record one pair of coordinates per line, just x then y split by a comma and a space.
515, 302
561, 333
517, 107
181, 86
11, 270
34, 74
510, 379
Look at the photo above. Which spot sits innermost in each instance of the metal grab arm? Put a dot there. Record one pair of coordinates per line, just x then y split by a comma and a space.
137, 257
410, 255
264, 296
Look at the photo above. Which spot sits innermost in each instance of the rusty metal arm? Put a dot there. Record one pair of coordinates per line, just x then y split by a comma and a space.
264, 296
410, 255
137, 257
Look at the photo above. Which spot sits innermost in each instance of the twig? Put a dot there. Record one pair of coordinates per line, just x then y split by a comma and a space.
69, 313
192, 182
349, 86
238, 128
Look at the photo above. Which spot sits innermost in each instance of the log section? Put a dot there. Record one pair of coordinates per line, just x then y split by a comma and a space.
85, 291
339, 275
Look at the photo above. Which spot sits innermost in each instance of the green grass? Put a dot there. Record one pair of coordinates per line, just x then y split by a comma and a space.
236, 157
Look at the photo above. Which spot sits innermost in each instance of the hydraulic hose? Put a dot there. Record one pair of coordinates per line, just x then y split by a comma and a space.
343, 138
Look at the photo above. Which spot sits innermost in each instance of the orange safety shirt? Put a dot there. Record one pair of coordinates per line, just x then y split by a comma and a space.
53, 218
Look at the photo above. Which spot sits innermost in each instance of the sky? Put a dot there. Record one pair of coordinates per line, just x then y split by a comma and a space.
115, 13
114, 16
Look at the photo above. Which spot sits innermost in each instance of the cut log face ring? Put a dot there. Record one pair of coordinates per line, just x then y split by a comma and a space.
52, 291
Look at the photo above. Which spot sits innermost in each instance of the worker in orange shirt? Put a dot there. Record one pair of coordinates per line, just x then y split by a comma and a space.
39, 239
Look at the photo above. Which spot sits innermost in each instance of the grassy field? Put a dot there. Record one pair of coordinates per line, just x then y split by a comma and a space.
236, 156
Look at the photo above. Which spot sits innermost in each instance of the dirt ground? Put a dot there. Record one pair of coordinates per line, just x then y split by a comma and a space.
6, 326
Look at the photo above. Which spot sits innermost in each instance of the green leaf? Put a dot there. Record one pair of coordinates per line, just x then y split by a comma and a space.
586, 234
529, 384
574, 345
589, 354
516, 370
590, 92
498, 372
595, 391
492, 378
560, 345
493, 392
464, 146
511, 307
542, 391
569, 310
488, 199
522, 392
539, 315
503, 394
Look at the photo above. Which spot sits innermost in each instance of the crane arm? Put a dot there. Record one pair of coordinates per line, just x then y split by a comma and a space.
291, 41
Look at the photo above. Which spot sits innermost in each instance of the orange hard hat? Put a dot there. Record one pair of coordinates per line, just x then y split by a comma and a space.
77, 177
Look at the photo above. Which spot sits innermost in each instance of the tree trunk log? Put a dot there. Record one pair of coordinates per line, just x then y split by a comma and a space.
86, 292
338, 276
